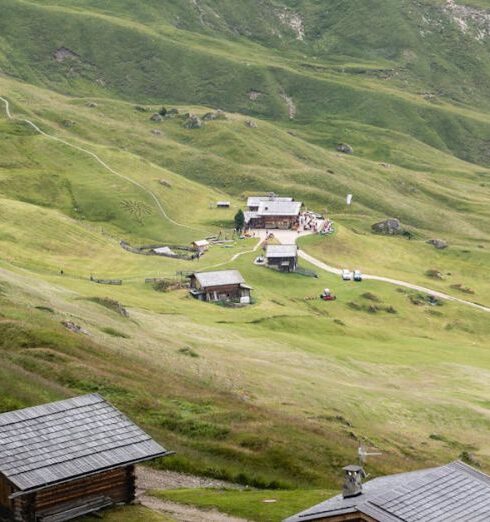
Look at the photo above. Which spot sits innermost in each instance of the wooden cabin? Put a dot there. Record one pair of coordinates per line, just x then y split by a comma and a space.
63, 460
202, 245
282, 257
220, 285
450, 493
273, 214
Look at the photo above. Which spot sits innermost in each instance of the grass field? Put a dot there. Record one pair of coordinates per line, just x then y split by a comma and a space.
276, 395
271, 376
250, 505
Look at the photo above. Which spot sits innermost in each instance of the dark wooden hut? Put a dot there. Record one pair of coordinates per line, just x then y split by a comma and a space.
220, 285
282, 257
62, 460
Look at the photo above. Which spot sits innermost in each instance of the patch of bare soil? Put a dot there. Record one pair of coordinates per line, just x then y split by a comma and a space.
183, 513
148, 478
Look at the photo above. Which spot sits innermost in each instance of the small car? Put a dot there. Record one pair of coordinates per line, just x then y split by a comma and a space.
357, 275
346, 274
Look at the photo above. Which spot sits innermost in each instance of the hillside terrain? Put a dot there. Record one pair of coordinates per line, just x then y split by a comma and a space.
278, 394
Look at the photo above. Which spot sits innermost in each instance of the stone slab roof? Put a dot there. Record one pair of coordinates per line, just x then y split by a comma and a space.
219, 278
69, 439
281, 251
455, 492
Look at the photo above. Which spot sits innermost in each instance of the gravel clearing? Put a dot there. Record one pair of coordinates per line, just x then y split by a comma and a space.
148, 478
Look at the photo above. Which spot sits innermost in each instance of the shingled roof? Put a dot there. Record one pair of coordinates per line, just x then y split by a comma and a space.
63, 440
254, 201
279, 208
455, 492
219, 278
281, 251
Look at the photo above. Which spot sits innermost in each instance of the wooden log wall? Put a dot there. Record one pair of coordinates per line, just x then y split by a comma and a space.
111, 484
119, 485
5, 490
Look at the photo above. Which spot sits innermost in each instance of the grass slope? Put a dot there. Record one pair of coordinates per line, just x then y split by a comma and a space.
120, 49
277, 394
250, 505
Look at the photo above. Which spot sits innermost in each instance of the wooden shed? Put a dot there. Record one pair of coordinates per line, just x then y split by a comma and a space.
201, 245
65, 459
282, 257
223, 204
220, 285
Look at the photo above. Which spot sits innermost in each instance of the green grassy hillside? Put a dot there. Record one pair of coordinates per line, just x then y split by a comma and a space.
411, 70
277, 394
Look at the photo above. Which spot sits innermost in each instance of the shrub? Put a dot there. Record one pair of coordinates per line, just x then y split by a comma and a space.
434, 274
371, 297
45, 309
115, 333
111, 304
186, 350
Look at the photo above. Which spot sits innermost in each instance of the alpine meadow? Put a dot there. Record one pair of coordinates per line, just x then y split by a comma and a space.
132, 132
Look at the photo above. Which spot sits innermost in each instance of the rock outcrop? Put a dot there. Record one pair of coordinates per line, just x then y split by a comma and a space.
345, 148
389, 227
440, 244
218, 115
193, 122
157, 118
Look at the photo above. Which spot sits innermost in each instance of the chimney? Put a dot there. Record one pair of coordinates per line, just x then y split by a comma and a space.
353, 476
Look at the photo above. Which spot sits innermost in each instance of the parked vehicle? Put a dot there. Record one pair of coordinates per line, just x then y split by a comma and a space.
327, 295
346, 274
357, 275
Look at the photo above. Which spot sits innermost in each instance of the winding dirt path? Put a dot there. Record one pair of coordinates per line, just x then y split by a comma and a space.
287, 236
101, 162
436, 293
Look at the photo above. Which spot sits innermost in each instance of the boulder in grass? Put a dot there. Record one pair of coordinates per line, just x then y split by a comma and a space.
157, 118
440, 244
389, 227
218, 115
172, 113
345, 148
209, 116
250, 124
193, 122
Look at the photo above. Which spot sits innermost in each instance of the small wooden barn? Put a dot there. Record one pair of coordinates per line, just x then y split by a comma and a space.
282, 257
62, 460
220, 285
201, 245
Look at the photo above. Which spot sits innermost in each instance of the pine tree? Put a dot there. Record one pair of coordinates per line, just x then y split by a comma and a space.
239, 220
